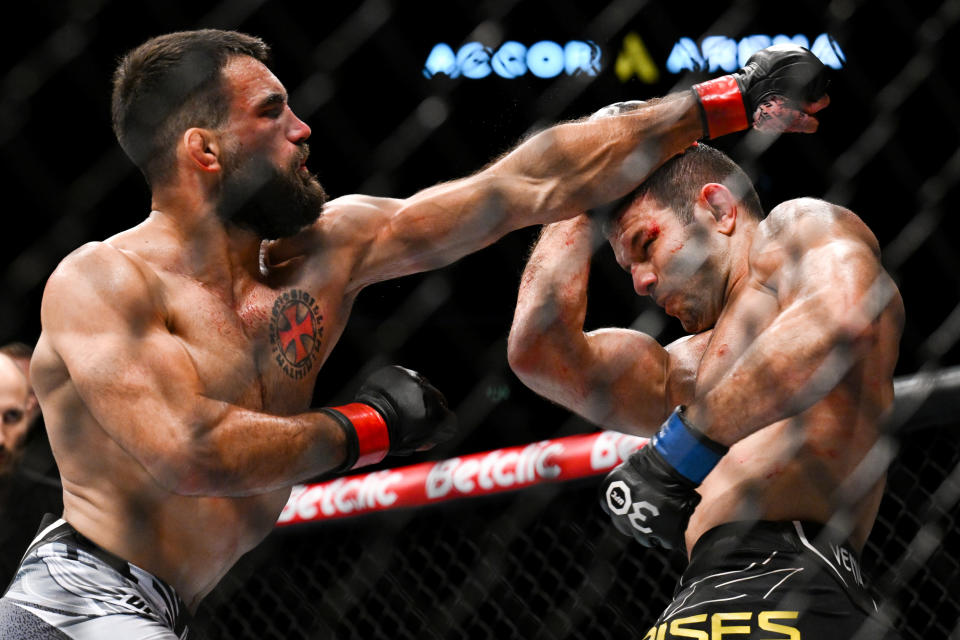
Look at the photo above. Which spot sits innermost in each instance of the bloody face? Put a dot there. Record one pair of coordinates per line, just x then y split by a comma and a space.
677, 265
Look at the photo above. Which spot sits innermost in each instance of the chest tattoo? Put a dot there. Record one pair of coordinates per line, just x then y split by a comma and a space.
296, 329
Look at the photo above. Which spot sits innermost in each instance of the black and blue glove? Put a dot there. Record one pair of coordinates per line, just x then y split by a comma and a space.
652, 495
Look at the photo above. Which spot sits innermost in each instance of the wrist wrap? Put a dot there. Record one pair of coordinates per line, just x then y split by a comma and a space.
722, 109
368, 438
691, 453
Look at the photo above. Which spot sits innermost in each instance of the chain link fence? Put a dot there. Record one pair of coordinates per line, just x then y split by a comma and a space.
542, 563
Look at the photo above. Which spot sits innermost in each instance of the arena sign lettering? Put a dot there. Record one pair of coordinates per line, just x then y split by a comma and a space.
611, 448
722, 53
544, 59
342, 496
549, 59
567, 458
496, 469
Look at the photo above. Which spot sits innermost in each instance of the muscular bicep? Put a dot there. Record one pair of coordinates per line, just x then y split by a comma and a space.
133, 376
432, 228
364, 239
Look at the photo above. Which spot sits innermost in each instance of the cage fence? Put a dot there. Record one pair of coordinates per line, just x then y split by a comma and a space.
542, 562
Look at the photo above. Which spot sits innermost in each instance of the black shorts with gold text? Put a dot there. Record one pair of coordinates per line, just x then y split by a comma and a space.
771, 580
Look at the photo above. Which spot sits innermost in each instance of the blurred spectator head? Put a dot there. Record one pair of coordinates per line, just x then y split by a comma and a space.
18, 405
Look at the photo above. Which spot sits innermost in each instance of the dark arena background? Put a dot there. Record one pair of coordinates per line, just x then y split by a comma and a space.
542, 562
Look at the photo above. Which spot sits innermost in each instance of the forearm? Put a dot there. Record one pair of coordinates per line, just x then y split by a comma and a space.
582, 165
396, 411
613, 377
552, 301
248, 453
557, 174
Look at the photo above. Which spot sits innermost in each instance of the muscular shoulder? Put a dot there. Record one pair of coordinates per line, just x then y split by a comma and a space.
358, 209
348, 221
809, 222
799, 226
96, 276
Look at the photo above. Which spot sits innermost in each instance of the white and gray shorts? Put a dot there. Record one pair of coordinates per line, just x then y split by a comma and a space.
69, 588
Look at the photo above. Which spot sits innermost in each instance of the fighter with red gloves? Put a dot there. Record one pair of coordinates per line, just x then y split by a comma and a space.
397, 412
776, 91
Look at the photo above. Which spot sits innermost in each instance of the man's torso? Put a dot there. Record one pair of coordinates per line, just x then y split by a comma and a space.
791, 469
260, 350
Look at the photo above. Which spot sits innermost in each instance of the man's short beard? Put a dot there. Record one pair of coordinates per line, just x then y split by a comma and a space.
272, 203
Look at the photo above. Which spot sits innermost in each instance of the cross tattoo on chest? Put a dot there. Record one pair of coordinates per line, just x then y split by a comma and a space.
296, 331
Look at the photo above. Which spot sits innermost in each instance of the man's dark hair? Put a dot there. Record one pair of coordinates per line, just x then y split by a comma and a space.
677, 183
169, 84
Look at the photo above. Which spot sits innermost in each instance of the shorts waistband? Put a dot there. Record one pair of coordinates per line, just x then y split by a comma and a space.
788, 534
55, 529
827, 546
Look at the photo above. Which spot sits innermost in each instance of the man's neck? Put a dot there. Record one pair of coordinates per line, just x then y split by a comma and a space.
739, 262
220, 255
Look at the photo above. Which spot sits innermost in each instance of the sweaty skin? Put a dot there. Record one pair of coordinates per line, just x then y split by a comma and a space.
176, 376
795, 332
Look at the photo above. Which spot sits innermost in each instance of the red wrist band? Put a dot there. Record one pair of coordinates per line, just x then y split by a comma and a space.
373, 437
722, 107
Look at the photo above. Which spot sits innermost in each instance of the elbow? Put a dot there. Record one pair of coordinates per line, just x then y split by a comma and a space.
179, 476
190, 482
186, 476
197, 480
522, 353
535, 360
539, 325
533, 336
189, 468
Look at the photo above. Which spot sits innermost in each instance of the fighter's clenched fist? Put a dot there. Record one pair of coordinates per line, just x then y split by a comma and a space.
652, 495
397, 411
778, 90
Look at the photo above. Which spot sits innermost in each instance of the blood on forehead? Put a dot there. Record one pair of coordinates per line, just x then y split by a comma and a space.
646, 233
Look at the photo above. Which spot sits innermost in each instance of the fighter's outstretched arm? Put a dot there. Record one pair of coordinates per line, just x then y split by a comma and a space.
106, 321
553, 175
614, 377
577, 166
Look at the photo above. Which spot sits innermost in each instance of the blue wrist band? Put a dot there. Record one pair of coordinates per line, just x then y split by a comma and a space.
686, 450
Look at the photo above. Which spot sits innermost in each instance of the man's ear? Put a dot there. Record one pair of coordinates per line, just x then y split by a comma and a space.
203, 149
721, 202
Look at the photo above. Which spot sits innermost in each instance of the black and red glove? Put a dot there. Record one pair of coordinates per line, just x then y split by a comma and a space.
776, 91
396, 412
